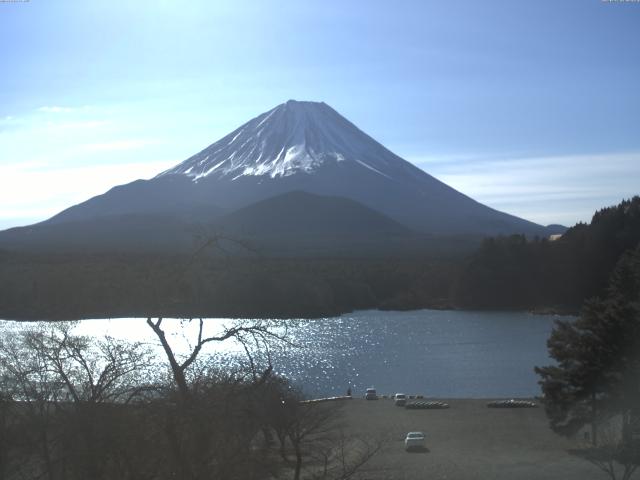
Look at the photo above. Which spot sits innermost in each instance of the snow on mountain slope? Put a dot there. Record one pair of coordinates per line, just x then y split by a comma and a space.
305, 147
294, 137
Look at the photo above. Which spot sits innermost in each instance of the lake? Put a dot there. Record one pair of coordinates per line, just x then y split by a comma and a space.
437, 353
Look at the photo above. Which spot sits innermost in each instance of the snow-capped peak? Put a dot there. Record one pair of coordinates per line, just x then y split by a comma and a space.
294, 137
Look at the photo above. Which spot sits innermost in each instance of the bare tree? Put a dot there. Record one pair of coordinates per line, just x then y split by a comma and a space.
313, 433
28, 379
616, 456
210, 425
345, 456
93, 371
310, 424
259, 332
6, 430
71, 392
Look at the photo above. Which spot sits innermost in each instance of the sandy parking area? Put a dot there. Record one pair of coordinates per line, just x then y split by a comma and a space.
466, 441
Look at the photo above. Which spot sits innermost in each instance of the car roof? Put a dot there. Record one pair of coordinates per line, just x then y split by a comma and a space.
415, 434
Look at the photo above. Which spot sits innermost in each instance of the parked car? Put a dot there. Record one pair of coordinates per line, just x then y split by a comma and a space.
371, 394
414, 440
400, 399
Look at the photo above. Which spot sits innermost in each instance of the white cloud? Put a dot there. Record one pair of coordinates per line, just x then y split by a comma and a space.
119, 145
81, 124
33, 191
554, 189
55, 109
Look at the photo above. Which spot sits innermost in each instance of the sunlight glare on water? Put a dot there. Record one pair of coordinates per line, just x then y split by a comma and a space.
429, 352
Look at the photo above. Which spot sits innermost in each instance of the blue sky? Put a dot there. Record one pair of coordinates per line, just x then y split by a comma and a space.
531, 107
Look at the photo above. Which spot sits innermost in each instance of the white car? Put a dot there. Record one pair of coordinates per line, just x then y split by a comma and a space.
371, 394
400, 399
414, 440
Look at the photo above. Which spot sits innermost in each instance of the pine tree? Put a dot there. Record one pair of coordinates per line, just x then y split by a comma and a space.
597, 374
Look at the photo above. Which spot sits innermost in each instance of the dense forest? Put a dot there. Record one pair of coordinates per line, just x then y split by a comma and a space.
519, 273
512, 272
68, 286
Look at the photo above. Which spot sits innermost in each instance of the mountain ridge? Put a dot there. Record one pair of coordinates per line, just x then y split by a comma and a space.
306, 213
295, 147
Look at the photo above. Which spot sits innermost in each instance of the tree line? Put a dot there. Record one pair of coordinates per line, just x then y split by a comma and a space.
513, 272
518, 273
66, 286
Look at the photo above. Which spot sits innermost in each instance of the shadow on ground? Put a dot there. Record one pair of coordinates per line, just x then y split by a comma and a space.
418, 450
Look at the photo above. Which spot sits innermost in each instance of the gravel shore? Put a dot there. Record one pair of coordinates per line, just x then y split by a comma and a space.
466, 441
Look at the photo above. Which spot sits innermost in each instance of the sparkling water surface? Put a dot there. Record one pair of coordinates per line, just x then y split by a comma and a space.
438, 353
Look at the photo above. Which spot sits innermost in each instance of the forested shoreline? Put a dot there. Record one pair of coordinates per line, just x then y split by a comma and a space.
60, 287
532, 274
504, 273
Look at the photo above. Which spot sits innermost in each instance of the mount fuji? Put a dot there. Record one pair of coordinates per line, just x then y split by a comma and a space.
297, 165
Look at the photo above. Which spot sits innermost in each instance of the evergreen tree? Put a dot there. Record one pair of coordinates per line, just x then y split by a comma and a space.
597, 375
519, 273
